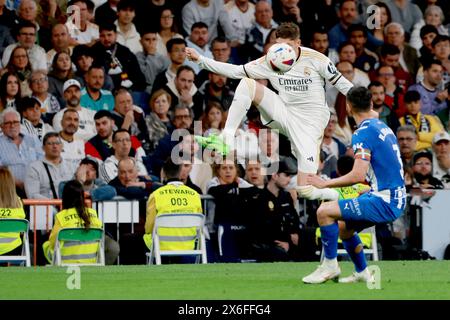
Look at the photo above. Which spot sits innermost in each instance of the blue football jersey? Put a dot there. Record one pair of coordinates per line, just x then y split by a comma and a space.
374, 141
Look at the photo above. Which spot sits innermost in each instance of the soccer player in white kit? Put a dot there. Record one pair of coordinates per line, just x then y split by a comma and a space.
299, 110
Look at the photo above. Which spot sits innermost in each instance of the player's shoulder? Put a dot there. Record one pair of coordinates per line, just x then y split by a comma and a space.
313, 55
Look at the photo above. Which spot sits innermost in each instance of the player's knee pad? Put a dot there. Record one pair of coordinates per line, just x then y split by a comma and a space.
246, 87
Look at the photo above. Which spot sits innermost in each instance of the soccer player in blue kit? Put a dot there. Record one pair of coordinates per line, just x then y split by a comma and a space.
377, 161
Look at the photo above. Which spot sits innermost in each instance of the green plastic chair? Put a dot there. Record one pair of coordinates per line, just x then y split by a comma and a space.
73, 236
17, 225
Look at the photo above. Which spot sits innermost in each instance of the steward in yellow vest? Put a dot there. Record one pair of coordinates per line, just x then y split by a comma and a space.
174, 197
10, 240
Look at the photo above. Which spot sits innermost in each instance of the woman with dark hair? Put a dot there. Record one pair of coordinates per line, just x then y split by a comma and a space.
74, 214
167, 29
9, 90
384, 17
213, 119
61, 71
19, 63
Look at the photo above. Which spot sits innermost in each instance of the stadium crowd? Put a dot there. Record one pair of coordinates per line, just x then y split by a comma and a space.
93, 90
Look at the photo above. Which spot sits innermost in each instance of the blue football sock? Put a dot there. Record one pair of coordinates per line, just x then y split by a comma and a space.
359, 259
330, 234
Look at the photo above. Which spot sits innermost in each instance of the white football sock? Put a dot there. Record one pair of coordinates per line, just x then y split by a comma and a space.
312, 193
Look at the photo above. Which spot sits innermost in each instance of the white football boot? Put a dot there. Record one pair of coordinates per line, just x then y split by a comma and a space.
363, 276
323, 273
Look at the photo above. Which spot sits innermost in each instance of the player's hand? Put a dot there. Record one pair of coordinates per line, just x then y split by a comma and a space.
316, 181
192, 54
81, 173
283, 245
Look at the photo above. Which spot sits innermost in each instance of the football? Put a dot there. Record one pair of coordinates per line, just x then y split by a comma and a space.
280, 57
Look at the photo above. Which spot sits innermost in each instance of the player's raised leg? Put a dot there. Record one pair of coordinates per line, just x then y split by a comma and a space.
327, 216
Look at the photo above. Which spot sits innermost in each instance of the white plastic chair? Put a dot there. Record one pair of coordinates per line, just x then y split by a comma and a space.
178, 220
77, 236
16, 226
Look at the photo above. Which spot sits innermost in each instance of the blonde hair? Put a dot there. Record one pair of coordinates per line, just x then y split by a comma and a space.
8, 195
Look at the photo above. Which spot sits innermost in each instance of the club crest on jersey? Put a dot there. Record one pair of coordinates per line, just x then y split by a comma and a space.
307, 71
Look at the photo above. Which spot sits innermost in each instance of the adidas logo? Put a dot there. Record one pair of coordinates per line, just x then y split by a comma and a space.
310, 159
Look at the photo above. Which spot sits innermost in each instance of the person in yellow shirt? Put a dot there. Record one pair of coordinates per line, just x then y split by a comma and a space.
174, 197
11, 207
426, 125
75, 214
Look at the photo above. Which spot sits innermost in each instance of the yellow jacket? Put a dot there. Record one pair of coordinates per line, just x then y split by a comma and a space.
174, 197
10, 240
424, 138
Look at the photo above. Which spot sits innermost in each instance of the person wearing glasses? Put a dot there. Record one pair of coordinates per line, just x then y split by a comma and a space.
423, 171
43, 176
17, 149
38, 83
27, 38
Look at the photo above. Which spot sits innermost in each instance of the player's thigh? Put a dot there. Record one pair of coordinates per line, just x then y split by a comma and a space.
365, 211
271, 107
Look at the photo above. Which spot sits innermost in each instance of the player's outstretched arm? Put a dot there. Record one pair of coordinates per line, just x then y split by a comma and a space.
357, 175
227, 69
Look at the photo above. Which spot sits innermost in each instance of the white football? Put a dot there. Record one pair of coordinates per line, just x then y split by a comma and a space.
280, 57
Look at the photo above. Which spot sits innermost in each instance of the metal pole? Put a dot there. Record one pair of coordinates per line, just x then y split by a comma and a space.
117, 225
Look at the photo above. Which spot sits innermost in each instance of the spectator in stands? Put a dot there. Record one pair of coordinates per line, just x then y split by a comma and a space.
366, 60
150, 60
7, 16
254, 173
385, 114
158, 120
61, 71
83, 59
9, 90
127, 34
275, 227
92, 95
433, 16
211, 13
10, 202
177, 57
288, 11
182, 118
426, 125
130, 117
215, 89
441, 158
423, 171
129, 183
5, 38
407, 140
26, 38
19, 64
121, 144
432, 98
167, 30
73, 147
18, 150
32, 124
441, 49
347, 15
107, 12
27, 12
242, 17
43, 176
213, 119
119, 62
199, 39
61, 41
384, 18
186, 168
49, 105
87, 32
263, 25
72, 95
184, 92
427, 35
395, 35
93, 186
405, 13
393, 93
330, 144
319, 42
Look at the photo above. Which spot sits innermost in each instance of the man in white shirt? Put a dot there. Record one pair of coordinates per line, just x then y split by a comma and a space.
126, 31
441, 157
73, 147
86, 32
242, 16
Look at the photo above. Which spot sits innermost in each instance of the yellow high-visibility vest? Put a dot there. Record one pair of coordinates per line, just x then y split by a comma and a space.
175, 198
79, 253
10, 240
353, 191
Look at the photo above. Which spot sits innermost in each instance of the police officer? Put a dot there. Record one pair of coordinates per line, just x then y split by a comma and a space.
274, 229
174, 197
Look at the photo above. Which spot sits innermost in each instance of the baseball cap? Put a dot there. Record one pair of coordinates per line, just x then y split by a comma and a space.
422, 154
69, 83
443, 135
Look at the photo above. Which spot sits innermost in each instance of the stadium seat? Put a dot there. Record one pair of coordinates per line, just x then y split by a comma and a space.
78, 237
16, 226
178, 220
368, 238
